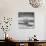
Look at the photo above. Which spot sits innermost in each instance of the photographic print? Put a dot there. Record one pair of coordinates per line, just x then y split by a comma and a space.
26, 20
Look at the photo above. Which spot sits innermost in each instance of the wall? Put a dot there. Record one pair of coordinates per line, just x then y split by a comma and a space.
10, 8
